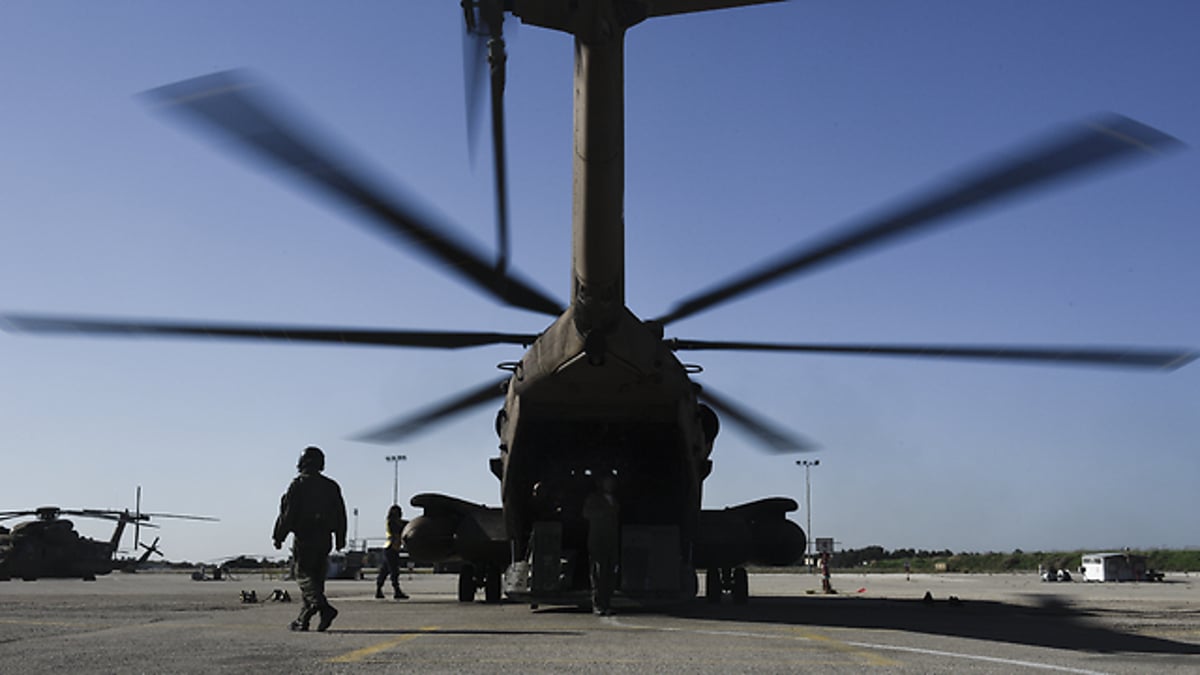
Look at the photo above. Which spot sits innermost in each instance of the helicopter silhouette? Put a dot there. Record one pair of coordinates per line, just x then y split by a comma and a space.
49, 546
600, 391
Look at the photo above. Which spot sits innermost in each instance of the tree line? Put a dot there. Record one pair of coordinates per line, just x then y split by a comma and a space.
877, 558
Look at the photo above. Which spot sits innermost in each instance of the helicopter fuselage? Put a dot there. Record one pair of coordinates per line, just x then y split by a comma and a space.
599, 392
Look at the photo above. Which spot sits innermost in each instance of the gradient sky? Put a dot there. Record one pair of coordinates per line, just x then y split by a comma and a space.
748, 131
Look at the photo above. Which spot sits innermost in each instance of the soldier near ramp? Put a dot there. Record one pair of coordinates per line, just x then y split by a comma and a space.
313, 512
603, 515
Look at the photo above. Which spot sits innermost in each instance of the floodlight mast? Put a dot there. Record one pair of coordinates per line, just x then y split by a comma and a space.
808, 465
395, 460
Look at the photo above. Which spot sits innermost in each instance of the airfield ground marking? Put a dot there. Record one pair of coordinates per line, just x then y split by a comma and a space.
37, 622
361, 654
870, 645
837, 645
869, 656
980, 657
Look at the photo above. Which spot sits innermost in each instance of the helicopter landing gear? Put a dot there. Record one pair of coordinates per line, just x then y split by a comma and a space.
471, 579
735, 580
491, 586
466, 584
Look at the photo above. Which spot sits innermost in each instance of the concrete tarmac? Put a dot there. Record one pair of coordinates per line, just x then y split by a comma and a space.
167, 623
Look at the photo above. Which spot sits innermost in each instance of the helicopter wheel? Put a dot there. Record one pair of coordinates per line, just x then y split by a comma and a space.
741, 586
466, 584
29, 578
90, 577
491, 586
712, 585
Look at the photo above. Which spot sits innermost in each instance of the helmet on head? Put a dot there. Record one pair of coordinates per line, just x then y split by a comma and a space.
312, 458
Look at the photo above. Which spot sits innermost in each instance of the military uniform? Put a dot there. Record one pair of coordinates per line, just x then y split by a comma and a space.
313, 511
603, 516
391, 563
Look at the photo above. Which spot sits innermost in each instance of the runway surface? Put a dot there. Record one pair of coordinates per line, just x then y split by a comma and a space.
167, 623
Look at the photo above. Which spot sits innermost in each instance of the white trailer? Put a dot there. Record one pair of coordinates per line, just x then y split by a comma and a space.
1113, 567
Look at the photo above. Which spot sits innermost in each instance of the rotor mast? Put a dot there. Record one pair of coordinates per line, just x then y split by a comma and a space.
598, 186
598, 211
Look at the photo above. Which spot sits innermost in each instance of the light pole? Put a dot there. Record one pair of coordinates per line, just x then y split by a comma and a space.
808, 465
395, 460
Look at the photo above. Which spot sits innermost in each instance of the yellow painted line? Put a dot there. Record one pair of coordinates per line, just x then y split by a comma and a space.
361, 654
870, 657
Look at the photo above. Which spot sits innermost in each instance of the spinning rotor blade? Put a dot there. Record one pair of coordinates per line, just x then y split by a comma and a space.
1116, 357
32, 323
411, 424
666, 7
484, 23
496, 60
228, 104
474, 63
774, 437
1069, 153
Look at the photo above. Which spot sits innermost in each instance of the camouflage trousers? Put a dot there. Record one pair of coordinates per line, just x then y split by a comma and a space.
311, 558
603, 568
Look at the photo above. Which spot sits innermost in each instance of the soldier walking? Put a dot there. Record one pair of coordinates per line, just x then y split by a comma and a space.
313, 512
391, 561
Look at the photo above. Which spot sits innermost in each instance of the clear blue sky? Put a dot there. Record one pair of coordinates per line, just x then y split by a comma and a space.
747, 131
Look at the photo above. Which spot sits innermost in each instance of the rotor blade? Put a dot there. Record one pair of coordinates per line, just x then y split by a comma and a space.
1116, 357
496, 62
775, 438
474, 63
408, 425
232, 105
116, 327
484, 29
107, 514
181, 516
114, 514
668, 7
1069, 153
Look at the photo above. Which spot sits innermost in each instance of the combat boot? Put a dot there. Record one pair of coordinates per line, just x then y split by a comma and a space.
379, 592
302, 621
328, 614
399, 595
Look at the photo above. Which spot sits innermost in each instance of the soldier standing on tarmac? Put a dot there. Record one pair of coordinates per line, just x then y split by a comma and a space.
603, 515
313, 511
391, 561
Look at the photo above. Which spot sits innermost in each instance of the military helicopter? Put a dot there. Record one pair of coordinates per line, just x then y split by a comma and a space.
131, 566
600, 391
50, 547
